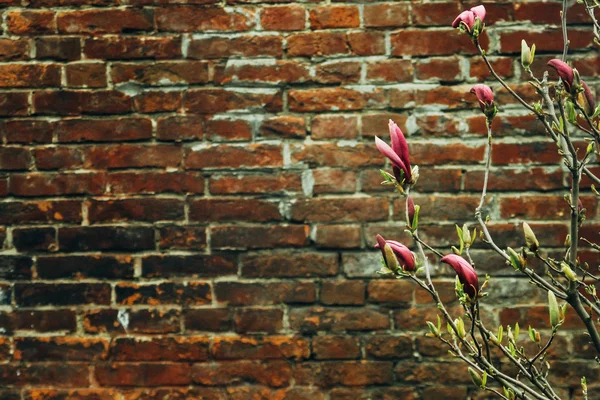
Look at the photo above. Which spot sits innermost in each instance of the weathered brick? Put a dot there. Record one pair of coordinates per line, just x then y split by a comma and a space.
272, 347
86, 75
189, 18
188, 348
192, 293
161, 73
240, 293
147, 321
123, 129
60, 267
207, 210
144, 374
338, 319
44, 184
31, 22
335, 347
39, 294
224, 156
193, 265
219, 130
334, 127
386, 15
60, 349
334, 16
335, 99
154, 182
208, 319
274, 373
132, 47
115, 238
14, 49
283, 18
339, 236
141, 209
343, 293
105, 21
289, 265
243, 46
24, 212
180, 127
210, 101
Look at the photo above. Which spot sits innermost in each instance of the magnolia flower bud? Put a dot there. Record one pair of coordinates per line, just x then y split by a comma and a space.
569, 273
460, 327
530, 239
390, 258
515, 259
553, 309
527, 54
475, 377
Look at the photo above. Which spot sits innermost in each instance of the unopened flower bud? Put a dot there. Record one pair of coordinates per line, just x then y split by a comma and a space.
390, 258
569, 273
515, 259
475, 377
530, 239
410, 209
460, 327
527, 54
553, 309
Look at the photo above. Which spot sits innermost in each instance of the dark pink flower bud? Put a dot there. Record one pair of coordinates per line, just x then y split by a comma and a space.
466, 273
410, 206
467, 18
405, 257
485, 96
588, 102
398, 153
564, 71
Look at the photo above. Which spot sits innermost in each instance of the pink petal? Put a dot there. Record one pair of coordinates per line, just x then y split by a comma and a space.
400, 146
387, 151
466, 17
484, 93
564, 71
589, 97
479, 11
466, 273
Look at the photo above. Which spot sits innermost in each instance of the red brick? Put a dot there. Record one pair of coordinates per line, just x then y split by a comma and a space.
39, 321
273, 373
133, 156
86, 75
146, 321
14, 103
542, 207
179, 349
104, 21
182, 237
389, 347
540, 179
29, 75
20, 212
333, 155
189, 294
334, 181
161, 73
27, 131
210, 101
502, 65
334, 16
222, 156
274, 184
525, 153
155, 182
325, 126
377, 124
258, 320
14, 49
428, 43
208, 319
57, 48
343, 293
37, 184
157, 101
426, 14
124, 129
386, 15
170, 266
14, 158
107, 238
228, 130
549, 40
267, 293
283, 18
289, 265
70, 102
339, 236
328, 99
335, 347
317, 44
283, 127
338, 72
269, 348
443, 69
340, 209
31, 22
60, 349
246, 46
189, 18
132, 47
257, 237
59, 374
77, 394
338, 319
143, 374
101, 267
61, 294
180, 128
400, 293
390, 71
207, 210
141, 209
438, 125
271, 73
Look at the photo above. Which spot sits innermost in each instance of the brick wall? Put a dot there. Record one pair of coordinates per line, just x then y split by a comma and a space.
190, 194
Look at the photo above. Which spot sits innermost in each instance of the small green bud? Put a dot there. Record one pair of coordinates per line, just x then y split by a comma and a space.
530, 239
569, 273
475, 377
515, 259
553, 310
460, 326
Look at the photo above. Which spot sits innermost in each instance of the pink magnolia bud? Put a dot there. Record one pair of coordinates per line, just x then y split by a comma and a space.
410, 205
405, 257
398, 153
564, 71
587, 102
466, 274
485, 96
467, 18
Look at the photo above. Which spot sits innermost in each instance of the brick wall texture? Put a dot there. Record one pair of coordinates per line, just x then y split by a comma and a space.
190, 194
